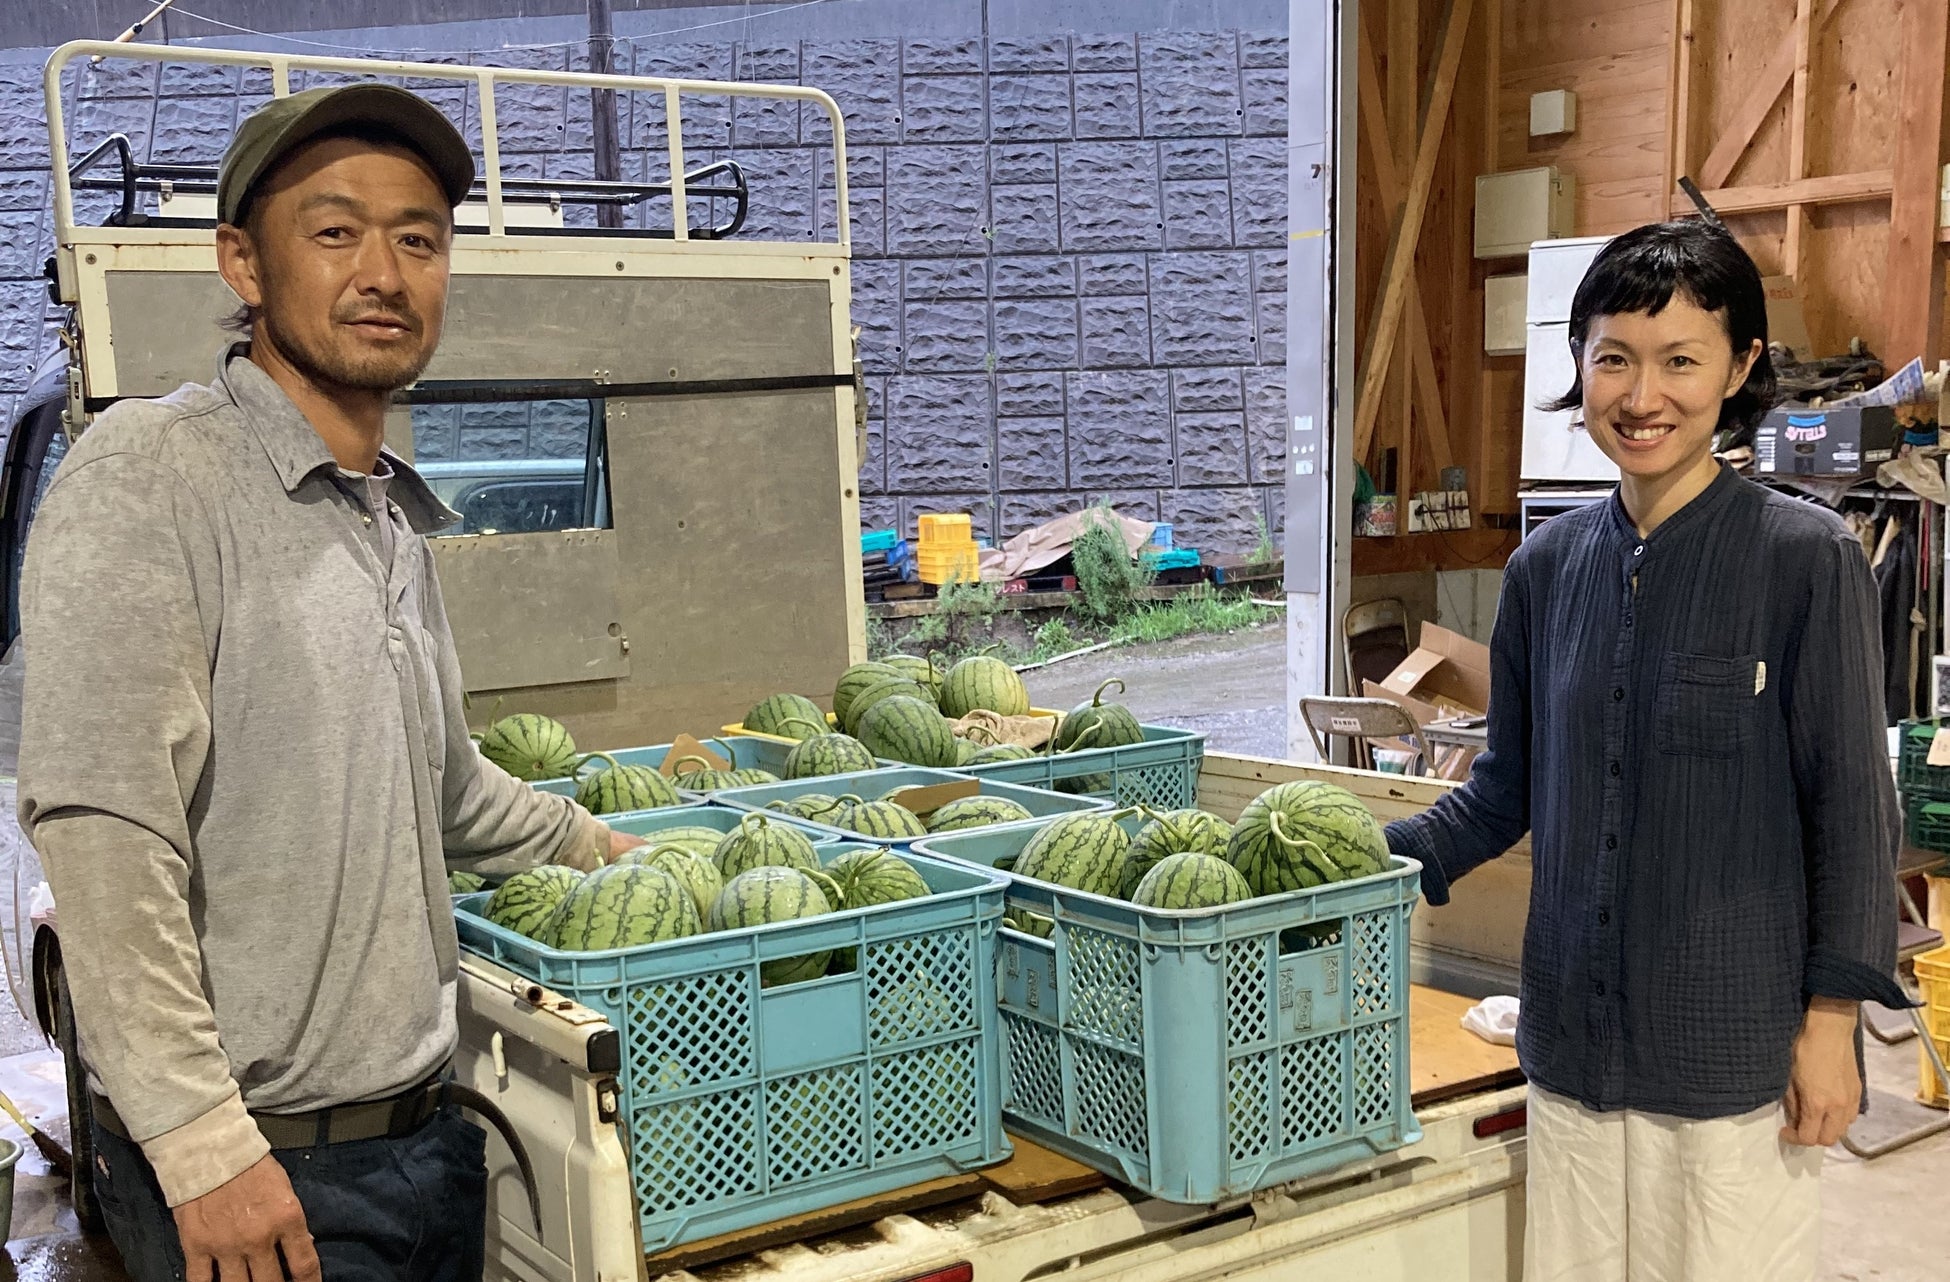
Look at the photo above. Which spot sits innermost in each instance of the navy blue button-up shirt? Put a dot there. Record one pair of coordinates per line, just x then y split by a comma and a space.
1690, 726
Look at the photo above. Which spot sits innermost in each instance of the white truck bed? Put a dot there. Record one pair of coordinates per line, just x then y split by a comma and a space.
1448, 1209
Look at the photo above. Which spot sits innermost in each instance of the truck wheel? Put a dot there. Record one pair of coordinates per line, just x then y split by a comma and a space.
81, 1134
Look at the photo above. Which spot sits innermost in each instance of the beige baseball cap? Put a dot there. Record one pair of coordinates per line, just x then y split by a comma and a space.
273, 130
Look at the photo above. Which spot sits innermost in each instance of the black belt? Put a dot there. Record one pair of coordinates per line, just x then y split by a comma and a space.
394, 1117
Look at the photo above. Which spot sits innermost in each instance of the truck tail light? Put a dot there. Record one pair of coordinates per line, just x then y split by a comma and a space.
1497, 1123
960, 1272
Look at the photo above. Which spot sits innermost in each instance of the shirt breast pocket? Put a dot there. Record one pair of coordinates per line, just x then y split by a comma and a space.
1707, 706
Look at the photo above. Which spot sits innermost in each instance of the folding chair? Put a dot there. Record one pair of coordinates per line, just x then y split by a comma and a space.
1363, 720
1374, 640
1911, 941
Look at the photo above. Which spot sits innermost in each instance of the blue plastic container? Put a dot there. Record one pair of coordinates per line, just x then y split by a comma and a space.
1161, 536
874, 784
1161, 772
742, 1104
872, 541
1202, 1055
647, 823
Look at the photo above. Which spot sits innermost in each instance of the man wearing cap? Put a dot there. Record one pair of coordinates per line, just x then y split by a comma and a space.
243, 756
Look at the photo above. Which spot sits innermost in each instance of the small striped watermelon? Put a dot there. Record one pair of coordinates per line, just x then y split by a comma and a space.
1191, 880
701, 775
819, 753
530, 746
757, 842
618, 789
697, 871
976, 812
964, 752
1000, 752
812, 805
1173, 833
895, 688
696, 838
525, 901
883, 820
903, 728
983, 681
854, 680
776, 713
623, 906
1080, 851
921, 672
867, 878
1305, 833
764, 896
465, 883
1097, 724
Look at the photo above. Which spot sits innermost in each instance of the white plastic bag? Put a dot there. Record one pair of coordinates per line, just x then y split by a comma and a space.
1494, 1019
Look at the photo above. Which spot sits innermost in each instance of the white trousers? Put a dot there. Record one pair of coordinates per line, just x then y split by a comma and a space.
1641, 1197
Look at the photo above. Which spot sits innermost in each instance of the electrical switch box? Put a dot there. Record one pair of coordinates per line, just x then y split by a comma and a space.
1515, 209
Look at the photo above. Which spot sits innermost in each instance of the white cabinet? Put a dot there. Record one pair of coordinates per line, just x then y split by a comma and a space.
1556, 447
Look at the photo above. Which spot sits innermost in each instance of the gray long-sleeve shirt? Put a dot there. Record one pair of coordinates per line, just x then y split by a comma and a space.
1690, 726
245, 766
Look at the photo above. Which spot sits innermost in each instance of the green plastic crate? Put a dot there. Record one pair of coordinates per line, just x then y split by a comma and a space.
1929, 825
1915, 776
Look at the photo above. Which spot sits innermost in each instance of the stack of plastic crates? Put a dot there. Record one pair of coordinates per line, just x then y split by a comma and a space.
1925, 788
1202, 1054
742, 1103
947, 550
1933, 977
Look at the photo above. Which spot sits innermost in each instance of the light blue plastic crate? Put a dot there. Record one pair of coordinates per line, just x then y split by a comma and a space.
746, 752
1161, 772
647, 823
872, 541
1202, 1055
742, 1104
874, 784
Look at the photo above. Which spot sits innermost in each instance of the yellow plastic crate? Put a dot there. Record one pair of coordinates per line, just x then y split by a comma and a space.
941, 563
1933, 977
945, 527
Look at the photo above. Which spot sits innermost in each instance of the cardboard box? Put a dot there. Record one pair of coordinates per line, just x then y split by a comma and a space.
1796, 440
1787, 323
1446, 675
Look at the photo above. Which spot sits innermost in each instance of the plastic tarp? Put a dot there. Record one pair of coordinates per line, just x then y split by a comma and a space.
1046, 544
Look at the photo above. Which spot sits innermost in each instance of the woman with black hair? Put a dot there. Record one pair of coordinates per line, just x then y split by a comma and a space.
1686, 716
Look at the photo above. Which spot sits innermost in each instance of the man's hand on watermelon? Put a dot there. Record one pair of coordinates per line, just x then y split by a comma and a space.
620, 843
1825, 1086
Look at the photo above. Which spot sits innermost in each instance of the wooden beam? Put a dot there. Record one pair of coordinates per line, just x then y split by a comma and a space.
1679, 94
1836, 189
1388, 185
1404, 95
1913, 282
1407, 231
1797, 214
1774, 76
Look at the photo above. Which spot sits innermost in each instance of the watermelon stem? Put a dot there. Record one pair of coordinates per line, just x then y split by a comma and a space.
1291, 843
678, 765
817, 730
829, 885
614, 764
1097, 700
